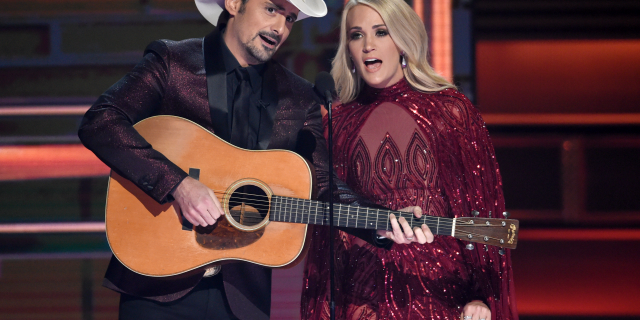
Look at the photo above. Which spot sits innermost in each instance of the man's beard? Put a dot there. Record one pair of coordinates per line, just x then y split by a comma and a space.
263, 54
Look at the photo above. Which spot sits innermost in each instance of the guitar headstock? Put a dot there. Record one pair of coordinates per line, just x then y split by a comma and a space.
490, 231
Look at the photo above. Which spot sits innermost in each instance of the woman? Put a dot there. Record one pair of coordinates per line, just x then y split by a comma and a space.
405, 137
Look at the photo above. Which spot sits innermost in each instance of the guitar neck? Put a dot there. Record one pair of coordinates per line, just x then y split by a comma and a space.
285, 209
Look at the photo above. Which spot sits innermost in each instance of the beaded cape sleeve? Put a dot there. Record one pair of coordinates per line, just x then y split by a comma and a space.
398, 147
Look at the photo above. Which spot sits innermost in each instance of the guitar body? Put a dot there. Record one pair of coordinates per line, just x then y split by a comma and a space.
151, 239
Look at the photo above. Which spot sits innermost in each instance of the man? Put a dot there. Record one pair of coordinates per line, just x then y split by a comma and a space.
227, 83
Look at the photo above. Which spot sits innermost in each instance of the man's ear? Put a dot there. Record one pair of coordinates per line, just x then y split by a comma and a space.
233, 6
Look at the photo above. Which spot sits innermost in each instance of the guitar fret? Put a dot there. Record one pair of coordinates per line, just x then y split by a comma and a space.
290, 211
301, 211
297, 211
356, 218
294, 211
387, 227
315, 219
307, 212
283, 214
325, 214
272, 209
283, 207
275, 209
366, 217
348, 215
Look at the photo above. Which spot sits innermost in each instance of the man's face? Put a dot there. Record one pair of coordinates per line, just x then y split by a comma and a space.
258, 28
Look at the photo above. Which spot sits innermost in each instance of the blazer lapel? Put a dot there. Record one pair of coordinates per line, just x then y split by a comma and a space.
269, 104
216, 84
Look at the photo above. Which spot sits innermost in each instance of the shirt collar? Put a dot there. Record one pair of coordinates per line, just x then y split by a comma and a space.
231, 63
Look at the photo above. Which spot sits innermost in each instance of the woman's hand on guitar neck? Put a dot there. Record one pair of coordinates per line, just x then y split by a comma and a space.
420, 235
198, 204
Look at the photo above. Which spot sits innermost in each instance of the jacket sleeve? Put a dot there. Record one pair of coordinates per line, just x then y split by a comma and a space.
473, 182
107, 127
312, 145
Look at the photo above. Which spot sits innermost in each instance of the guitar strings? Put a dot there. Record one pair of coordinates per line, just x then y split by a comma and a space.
263, 202
250, 216
341, 210
267, 202
476, 234
255, 219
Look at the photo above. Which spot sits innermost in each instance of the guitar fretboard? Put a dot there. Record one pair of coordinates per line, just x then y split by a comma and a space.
284, 209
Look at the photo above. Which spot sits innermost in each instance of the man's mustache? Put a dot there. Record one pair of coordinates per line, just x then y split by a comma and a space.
272, 36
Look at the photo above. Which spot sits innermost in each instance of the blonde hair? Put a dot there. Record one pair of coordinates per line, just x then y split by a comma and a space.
408, 34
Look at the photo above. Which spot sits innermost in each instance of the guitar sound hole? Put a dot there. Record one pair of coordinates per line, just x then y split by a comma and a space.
249, 205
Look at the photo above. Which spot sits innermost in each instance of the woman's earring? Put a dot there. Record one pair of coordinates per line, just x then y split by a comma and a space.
353, 67
403, 60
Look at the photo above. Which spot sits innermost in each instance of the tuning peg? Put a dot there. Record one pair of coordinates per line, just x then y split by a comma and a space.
489, 213
501, 252
506, 214
469, 246
475, 213
486, 248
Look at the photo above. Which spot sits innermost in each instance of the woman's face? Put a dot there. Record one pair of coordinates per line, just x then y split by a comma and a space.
374, 54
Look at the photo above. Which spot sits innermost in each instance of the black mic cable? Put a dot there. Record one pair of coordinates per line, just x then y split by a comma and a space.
326, 87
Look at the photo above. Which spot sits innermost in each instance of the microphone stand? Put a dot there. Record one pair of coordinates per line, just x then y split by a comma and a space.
332, 302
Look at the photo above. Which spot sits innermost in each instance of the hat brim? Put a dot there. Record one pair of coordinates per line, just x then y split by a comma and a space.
211, 9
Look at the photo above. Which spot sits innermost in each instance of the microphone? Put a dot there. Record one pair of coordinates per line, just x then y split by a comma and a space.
325, 86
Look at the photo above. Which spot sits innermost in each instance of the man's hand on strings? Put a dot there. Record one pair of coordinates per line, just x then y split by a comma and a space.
198, 204
407, 235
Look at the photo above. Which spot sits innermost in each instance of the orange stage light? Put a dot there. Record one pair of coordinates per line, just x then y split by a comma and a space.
418, 7
49, 161
441, 43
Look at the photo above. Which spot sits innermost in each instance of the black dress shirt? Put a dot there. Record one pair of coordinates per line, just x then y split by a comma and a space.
252, 124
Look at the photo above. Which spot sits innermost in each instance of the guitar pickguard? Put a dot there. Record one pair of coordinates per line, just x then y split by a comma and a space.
223, 236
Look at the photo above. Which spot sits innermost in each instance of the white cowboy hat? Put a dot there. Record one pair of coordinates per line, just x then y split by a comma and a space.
211, 9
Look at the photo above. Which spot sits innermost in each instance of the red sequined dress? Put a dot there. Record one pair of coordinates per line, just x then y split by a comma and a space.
399, 147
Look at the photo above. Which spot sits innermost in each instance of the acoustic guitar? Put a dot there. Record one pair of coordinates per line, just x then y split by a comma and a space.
266, 198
